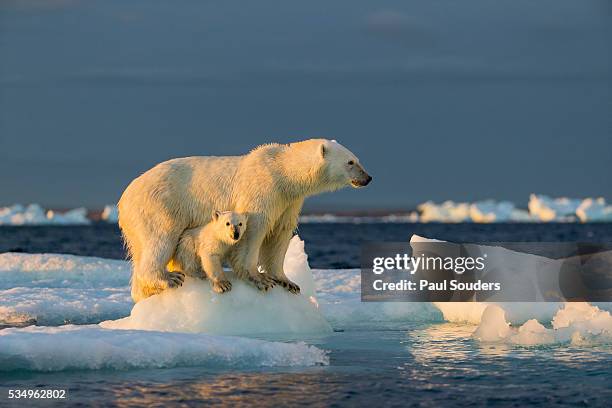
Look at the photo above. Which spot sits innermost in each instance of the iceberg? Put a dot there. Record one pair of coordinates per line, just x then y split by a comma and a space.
196, 308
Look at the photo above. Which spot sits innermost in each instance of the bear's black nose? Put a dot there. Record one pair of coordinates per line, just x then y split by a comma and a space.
236, 235
368, 180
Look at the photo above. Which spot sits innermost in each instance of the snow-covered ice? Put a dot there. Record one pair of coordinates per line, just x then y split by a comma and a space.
92, 347
34, 214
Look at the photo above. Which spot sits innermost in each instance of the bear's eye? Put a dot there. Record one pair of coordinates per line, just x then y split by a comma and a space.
227, 223
240, 224
350, 163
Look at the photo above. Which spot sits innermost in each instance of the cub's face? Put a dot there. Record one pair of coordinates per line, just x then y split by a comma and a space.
343, 167
231, 225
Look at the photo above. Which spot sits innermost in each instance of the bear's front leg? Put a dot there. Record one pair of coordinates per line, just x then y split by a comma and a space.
275, 246
273, 255
245, 257
214, 271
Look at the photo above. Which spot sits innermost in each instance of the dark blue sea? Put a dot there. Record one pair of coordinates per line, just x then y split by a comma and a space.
430, 364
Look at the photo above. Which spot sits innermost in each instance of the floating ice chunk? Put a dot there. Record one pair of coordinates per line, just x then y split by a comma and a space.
92, 347
516, 312
493, 325
195, 307
578, 323
110, 214
594, 210
533, 333
34, 214
544, 208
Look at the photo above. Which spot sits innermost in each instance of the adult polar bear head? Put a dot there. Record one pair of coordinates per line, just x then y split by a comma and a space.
324, 165
269, 184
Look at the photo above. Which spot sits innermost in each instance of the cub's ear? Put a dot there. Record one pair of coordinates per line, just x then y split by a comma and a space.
323, 150
216, 215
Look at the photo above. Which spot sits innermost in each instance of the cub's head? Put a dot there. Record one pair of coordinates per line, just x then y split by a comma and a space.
341, 167
230, 225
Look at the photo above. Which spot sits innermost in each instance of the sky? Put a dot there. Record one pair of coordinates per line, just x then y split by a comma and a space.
439, 99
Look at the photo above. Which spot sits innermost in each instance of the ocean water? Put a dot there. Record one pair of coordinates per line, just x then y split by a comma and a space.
420, 362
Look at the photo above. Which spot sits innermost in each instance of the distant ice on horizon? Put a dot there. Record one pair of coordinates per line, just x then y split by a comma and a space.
541, 208
34, 214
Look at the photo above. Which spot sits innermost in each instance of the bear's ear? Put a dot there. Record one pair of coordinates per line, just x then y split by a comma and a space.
323, 150
216, 215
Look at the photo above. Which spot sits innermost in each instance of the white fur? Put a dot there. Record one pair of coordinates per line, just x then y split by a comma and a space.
269, 185
202, 251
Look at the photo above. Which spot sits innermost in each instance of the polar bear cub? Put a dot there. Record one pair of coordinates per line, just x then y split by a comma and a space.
203, 250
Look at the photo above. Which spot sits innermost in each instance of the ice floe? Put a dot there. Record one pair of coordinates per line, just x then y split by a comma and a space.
92, 347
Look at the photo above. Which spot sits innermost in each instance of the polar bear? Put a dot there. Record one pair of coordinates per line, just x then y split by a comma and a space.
269, 184
203, 250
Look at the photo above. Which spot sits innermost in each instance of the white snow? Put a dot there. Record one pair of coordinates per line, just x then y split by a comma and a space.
34, 214
92, 347
110, 214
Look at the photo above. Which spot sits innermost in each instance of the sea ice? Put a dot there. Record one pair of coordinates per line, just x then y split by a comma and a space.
92, 347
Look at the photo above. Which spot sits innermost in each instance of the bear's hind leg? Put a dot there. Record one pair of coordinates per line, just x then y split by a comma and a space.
150, 275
